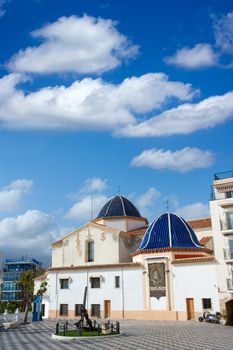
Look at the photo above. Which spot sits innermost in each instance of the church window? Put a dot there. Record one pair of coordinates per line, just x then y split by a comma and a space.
64, 283
95, 310
95, 282
206, 303
90, 251
117, 281
63, 309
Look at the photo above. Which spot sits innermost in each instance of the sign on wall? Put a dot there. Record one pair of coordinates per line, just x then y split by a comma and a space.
157, 280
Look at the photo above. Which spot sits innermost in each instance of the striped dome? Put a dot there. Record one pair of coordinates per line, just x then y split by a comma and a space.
118, 206
169, 231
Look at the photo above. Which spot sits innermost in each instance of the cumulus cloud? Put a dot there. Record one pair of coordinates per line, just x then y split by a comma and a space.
194, 211
75, 44
82, 105
82, 209
2, 11
93, 184
28, 234
199, 56
147, 198
184, 119
183, 160
207, 55
89, 199
146, 202
11, 195
223, 31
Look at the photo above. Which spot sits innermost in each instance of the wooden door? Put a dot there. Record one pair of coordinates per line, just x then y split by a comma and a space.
190, 309
107, 308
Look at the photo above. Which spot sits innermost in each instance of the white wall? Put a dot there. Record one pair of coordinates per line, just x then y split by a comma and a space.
220, 243
195, 281
73, 252
129, 296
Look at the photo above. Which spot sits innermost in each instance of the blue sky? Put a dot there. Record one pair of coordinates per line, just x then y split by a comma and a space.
108, 94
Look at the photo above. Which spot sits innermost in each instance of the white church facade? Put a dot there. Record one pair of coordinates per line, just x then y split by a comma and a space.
163, 271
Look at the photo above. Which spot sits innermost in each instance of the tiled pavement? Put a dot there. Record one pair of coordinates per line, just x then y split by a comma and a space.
141, 335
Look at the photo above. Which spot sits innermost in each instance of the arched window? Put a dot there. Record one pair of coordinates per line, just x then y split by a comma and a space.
90, 251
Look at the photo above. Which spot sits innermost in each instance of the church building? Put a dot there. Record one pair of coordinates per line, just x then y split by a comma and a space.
132, 269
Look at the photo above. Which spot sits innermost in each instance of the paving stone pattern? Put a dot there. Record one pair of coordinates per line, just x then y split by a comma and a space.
141, 335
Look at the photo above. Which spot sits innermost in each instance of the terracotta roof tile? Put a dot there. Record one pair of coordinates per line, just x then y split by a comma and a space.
194, 260
204, 240
200, 223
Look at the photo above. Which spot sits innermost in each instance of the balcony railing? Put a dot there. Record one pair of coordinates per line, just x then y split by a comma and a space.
228, 254
215, 195
229, 284
226, 225
223, 175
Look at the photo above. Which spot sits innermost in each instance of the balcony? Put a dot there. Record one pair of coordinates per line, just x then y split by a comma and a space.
223, 175
228, 254
229, 284
226, 226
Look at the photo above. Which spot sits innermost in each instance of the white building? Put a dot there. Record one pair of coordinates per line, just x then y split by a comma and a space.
132, 270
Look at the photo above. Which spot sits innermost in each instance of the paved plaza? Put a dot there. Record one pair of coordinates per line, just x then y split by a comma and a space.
161, 335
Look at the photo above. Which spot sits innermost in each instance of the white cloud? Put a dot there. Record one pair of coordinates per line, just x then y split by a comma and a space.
183, 160
223, 31
29, 234
11, 195
185, 118
147, 199
75, 44
82, 106
207, 55
89, 199
93, 184
194, 211
2, 12
82, 209
146, 202
200, 56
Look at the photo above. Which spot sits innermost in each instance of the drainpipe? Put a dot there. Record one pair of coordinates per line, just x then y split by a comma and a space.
123, 294
56, 293
87, 290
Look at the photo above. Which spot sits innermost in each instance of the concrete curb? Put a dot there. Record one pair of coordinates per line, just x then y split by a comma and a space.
62, 338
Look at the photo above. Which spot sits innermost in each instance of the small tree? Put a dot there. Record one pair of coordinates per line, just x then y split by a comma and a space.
27, 284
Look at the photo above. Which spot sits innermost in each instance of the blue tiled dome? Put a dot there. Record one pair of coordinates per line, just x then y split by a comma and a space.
118, 206
169, 231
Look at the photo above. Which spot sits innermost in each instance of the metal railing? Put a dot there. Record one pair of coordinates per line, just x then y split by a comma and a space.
226, 225
228, 254
229, 284
223, 175
64, 328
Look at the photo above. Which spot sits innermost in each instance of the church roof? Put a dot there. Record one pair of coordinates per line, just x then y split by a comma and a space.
118, 206
169, 231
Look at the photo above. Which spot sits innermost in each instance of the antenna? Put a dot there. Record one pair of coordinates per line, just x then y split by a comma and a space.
167, 202
118, 190
92, 202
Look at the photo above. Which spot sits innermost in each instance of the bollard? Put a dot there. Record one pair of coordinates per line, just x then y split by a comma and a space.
111, 328
66, 326
118, 327
98, 329
64, 330
5, 315
17, 315
57, 327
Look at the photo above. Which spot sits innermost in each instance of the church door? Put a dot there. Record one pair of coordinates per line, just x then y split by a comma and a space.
190, 309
